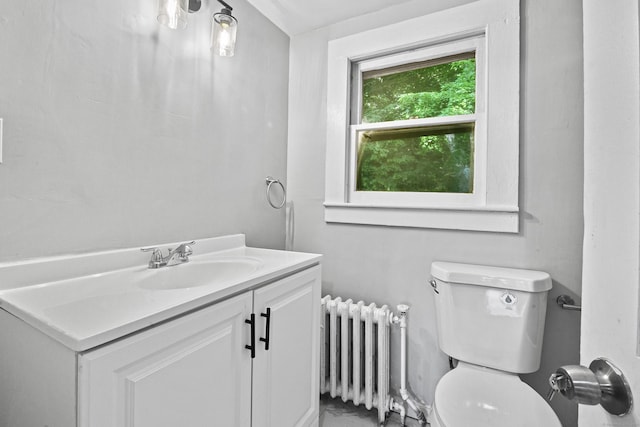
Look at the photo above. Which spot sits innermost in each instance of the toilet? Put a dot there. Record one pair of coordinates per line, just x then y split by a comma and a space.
491, 320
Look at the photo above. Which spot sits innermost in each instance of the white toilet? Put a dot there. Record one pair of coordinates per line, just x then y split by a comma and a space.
491, 320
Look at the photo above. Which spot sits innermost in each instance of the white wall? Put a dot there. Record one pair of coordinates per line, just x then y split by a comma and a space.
119, 132
391, 265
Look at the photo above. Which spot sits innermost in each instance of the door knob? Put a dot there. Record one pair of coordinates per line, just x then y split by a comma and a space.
601, 383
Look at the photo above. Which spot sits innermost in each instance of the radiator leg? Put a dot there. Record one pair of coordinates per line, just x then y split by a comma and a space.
399, 407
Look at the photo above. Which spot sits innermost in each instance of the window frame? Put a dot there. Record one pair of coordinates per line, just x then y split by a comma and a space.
493, 205
468, 44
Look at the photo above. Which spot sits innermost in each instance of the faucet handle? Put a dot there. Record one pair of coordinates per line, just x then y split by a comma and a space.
155, 250
184, 249
182, 252
188, 247
156, 257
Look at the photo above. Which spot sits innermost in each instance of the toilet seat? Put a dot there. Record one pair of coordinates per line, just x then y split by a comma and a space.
482, 397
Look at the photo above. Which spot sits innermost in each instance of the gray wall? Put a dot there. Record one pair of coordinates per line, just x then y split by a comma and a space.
119, 132
391, 265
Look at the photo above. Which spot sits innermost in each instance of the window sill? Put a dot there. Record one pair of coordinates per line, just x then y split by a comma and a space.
502, 219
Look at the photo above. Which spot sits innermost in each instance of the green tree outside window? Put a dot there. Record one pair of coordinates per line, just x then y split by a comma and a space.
418, 159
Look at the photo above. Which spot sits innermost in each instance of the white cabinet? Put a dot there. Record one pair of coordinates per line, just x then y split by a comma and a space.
285, 377
196, 370
188, 372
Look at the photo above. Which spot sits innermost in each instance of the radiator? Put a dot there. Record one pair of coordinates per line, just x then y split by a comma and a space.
354, 353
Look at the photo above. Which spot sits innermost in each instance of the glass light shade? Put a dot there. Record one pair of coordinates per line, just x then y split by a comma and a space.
223, 33
173, 13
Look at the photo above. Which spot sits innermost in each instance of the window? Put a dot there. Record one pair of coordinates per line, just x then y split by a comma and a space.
426, 159
422, 124
413, 120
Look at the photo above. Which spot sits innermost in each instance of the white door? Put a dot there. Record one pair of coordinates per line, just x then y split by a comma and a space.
611, 207
285, 376
193, 371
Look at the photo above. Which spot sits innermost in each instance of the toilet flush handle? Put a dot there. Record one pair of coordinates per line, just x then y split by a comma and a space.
434, 285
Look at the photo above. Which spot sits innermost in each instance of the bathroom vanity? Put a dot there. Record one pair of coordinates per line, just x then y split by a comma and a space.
229, 338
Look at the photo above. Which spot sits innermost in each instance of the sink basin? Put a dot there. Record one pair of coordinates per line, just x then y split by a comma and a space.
198, 273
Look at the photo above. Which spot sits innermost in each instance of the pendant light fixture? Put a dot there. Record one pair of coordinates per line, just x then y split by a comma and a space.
173, 14
223, 31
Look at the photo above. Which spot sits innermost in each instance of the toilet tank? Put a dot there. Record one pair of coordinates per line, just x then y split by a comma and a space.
491, 316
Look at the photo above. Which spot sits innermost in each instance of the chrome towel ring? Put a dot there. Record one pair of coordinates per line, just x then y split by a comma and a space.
270, 182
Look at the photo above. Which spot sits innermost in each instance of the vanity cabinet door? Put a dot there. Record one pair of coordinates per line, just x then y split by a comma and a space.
192, 371
285, 377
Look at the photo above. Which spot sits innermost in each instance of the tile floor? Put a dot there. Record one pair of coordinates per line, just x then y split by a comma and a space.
336, 413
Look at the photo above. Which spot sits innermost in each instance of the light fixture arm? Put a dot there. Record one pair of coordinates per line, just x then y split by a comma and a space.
226, 6
173, 14
194, 5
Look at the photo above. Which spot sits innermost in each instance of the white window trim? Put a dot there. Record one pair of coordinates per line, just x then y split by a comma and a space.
494, 204
411, 199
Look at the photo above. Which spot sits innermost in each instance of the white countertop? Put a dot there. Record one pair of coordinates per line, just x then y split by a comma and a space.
97, 307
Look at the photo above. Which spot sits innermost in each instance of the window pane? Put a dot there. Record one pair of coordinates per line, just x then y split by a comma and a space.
423, 159
446, 87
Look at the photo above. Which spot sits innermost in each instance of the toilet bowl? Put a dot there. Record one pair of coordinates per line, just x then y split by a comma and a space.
490, 319
474, 396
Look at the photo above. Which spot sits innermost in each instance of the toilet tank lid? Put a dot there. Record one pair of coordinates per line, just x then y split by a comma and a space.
496, 277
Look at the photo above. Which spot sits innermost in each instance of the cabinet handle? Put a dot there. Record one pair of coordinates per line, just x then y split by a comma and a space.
265, 340
252, 347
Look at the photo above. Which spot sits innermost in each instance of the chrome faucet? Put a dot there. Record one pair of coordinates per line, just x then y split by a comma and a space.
176, 256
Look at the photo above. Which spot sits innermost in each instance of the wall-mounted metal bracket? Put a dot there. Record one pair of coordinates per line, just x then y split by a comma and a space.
194, 5
567, 303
